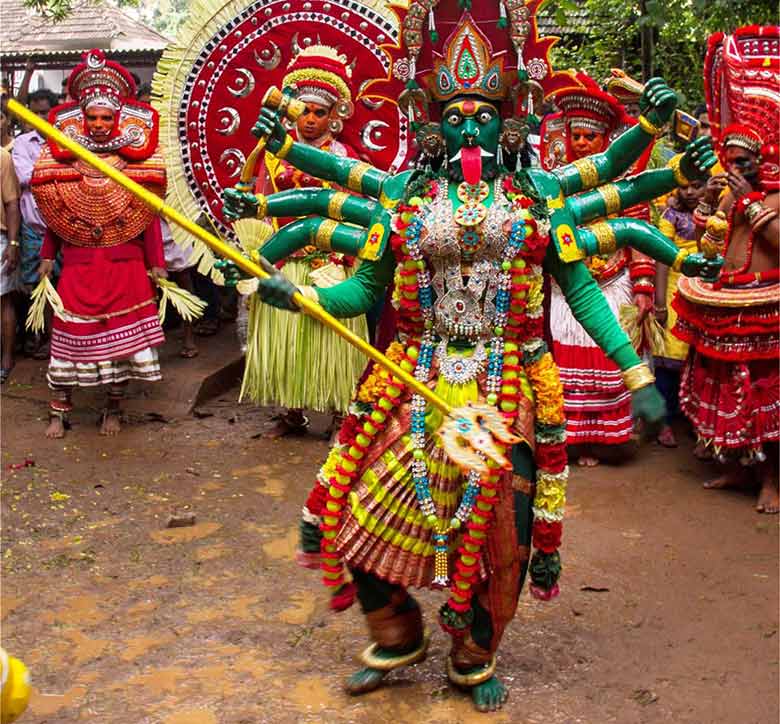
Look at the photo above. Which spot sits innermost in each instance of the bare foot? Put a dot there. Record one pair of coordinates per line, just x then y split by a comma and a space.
736, 478
111, 423
768, 498
56, 428
586, 461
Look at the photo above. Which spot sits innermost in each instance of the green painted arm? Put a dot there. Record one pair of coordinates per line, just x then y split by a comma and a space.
612, 198
350, 173
322, 202
606, 237
592, 171
313, 231
358, 294
590, 309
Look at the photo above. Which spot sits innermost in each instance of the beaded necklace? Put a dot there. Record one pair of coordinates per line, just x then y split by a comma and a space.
517, 235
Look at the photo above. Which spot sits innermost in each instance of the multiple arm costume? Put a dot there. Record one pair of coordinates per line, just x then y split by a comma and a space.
466, 245
107, 237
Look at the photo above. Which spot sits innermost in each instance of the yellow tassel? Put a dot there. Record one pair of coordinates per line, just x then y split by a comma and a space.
650, 329
185, 303
44, 293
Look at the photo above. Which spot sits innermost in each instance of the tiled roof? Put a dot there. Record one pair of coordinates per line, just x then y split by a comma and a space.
577, 22
90, 25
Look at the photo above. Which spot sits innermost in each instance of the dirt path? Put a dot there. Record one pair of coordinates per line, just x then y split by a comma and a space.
669, 611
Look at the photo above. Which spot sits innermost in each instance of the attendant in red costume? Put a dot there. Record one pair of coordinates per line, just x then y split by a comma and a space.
597, 403
110, 242
730, 387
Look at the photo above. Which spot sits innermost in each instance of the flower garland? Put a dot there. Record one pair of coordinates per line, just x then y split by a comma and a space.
516, 347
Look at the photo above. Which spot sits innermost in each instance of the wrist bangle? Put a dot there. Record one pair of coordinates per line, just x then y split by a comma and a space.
13, 242
637, 377
679, 176
649, 127
660, 309
262, 206
682, 255
285, 147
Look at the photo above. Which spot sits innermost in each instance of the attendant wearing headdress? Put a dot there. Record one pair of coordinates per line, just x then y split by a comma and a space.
598, 405
110, 241
300, 365
730, 382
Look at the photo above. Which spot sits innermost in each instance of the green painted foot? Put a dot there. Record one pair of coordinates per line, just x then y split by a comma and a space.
365, 680
490, 695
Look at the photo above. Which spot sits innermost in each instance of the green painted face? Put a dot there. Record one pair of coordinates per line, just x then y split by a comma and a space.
471, 129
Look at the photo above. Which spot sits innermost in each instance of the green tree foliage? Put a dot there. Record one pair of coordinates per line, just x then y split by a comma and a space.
677, 31
165, 16
58, 10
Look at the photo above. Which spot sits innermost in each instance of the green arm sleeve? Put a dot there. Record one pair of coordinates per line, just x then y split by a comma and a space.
361, 291
613, 162
590, 309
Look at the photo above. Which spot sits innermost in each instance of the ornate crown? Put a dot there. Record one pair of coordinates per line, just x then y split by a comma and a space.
101, 82
320, 74
589, 106
468, 66
742, 86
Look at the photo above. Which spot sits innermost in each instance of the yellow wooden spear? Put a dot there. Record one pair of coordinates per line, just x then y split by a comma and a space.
468, 427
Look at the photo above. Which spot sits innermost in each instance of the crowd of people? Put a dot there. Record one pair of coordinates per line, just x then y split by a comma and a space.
659, 267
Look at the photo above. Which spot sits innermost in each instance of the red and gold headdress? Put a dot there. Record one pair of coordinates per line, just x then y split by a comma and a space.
100, 82
590, 107
468, 66
492, 50
320, 74
742, 87
97, 81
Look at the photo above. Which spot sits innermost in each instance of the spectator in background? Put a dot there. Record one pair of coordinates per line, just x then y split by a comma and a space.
6, 138
9, 259
27, 149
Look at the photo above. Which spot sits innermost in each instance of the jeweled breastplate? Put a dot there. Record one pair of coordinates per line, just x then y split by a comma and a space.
464, 307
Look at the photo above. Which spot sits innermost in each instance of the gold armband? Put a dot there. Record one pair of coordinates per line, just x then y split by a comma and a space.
356, 173
262, 206
324, 234
637, 377
335, 205
589, 173
679, 176
285, 147
648, 127
611, 197
682, 255
605, 237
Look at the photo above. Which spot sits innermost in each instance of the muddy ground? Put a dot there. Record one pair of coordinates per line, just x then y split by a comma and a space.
669, 609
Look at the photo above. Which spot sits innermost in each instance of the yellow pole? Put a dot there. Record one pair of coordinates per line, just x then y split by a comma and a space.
159, 206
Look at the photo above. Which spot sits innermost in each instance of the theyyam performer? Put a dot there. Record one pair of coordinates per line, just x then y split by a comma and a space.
326, 56
597, 403
730, 386
466, 243
110, 241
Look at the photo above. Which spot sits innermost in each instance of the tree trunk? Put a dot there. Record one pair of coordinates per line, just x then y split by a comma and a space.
646, 35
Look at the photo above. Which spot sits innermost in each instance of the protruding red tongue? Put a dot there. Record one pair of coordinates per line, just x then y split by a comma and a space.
471, 164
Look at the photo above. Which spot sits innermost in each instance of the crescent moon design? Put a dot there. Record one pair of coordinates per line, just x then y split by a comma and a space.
245, 83
229, 122
371, 126
367, 102
294, 45
272, 61
233, 160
